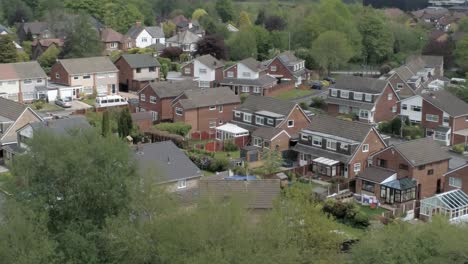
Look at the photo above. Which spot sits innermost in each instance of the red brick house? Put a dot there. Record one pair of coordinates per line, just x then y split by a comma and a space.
422, 161
114, 41
206, 70
205, 109
331, 147
137, 70
271, 138
371, 100
286, 66
457, 179
158, 96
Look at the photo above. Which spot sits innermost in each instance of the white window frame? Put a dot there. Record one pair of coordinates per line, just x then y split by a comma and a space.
245, 89
237, 114
432, 118
390, 96
142, 97
361, 114
270, 121
404, 106
204, 84
344, 94
202, 71
212, 107
357, 167
230, 74
114, 45
290, 123
318, 139
187, 70
85, 77
344, 146
57, 75
257, 142
153, 99
413, 107
257, 90
330, 144
179, 111
212, 124
27, 81
394, 109
368, 97
259, 120
453, 182
247, 118
182, 184
304, 137
220, 108
365, 148
273, 68
334, 92
357, 96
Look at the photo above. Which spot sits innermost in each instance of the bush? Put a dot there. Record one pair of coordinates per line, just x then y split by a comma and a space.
177, 128
347, 213
459, 148
39, 104
229, 146
218, 164
385, 127
348, 117
317, 102
413, 132
304, 106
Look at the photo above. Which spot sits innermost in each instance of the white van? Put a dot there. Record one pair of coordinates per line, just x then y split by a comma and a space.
110, 100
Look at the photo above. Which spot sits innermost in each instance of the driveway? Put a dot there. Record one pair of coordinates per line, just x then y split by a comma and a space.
308, 99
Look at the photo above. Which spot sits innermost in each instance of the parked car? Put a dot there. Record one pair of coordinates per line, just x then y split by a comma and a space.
65, 102
316, 85
330, 80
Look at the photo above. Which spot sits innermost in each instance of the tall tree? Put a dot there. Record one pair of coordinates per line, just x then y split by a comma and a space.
82, 39
461, 53
213, 45
48, 58
198, 13
243, 44
78, 178
105, 124
275, 23
244, 20
263, 41
225, 10
120, 14
331, 50
260, 17
125, 124
377, 37
94, 8
8, 49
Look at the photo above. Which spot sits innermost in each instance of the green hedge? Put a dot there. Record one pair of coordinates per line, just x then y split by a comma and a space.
177, 128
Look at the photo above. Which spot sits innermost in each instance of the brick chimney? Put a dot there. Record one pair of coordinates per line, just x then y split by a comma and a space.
138, 23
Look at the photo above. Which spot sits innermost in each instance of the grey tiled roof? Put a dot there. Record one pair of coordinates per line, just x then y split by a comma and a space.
172, 88
88, 65
376, 174
447, 102
263, 80
185, 37
208, 97
21, 71
253, 64
155, 32
141, 60
35, 27
319, 152
165, 161
352, 103
62, 126
11, 109
353, 130
266, 132
361, 84
134, 31
255, 103
257, 194
210, 61
422, 151
288, 58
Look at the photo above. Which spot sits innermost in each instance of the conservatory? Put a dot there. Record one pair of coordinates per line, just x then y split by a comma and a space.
453, 204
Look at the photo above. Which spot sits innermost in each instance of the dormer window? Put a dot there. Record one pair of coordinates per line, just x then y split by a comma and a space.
369, 97
358, 96
344, 94
334, 92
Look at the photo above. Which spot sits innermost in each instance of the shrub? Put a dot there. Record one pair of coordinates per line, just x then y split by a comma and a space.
384, 127
347, 213
219, 164
229, 146
459, 148
177, 128
39, 104
385, 69
413, 132
317, 102
396, 125
304, 106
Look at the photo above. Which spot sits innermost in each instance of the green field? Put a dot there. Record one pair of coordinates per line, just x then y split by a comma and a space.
293, 94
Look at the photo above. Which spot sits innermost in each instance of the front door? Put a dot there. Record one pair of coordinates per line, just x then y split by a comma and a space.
77, 93
345, 171
439, 186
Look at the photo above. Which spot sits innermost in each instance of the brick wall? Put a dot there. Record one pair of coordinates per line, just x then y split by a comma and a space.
278, 89
280, 69
282, 141
125, 74
457, 124
459, 174
375, 144
300, 121
383, 106
232, 69
64, 77
148, 91
428, 108
189, 66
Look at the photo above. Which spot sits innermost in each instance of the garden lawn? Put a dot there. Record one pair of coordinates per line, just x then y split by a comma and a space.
47, 107
293, 94
89, 101
223, 154
371, 212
